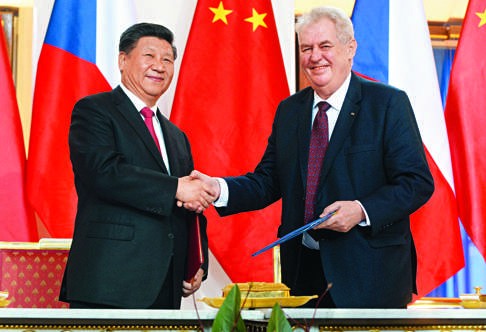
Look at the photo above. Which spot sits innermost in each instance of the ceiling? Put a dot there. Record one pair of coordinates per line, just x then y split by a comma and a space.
435, 10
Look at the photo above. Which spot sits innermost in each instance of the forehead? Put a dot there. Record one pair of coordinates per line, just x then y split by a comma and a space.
318, 31
153, 43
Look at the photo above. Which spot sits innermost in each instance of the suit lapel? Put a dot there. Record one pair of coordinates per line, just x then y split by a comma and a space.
304, 132
170, 147
130, 113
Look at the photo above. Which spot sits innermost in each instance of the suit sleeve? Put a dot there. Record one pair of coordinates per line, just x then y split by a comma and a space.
408, 181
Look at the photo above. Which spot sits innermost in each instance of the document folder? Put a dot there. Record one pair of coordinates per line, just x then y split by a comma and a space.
195, 256
294, 233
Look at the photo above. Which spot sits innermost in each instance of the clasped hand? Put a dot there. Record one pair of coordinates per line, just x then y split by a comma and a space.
197, 191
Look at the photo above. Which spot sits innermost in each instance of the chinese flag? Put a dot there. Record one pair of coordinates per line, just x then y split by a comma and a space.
231, 80
16, 221
465, 117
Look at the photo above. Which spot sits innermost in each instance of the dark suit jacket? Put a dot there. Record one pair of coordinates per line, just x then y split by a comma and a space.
128, 227
375, 155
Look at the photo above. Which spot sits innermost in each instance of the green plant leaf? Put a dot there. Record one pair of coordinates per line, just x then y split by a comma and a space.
229, 317
278, 322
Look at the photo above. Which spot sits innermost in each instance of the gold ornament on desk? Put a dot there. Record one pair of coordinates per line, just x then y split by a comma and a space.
261, 295
4, 299
474, 301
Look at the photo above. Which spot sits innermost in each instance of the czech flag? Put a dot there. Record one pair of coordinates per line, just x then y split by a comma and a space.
394, 47
78, 58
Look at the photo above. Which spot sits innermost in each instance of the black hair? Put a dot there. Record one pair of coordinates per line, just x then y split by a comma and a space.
130, 36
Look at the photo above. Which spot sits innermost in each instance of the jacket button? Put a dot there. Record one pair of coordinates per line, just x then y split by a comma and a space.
170, 236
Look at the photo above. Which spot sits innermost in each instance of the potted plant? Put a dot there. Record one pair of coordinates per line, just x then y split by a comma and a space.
228, 318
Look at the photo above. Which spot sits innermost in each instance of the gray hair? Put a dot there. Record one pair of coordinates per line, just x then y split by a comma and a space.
344, 26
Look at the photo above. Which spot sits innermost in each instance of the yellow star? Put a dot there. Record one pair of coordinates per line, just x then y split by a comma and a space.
220, 13
256, 19
482, 16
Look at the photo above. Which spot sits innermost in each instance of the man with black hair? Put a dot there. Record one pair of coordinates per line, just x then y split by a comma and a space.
131, 168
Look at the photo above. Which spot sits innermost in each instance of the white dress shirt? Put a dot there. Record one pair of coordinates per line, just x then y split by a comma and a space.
139, 104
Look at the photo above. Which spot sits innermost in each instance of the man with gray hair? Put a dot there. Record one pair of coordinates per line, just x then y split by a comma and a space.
346, 146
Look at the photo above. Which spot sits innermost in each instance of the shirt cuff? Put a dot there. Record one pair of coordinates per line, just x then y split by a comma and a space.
365, 222
222, 200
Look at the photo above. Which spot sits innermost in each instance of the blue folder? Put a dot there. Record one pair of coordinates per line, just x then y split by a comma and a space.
294, 233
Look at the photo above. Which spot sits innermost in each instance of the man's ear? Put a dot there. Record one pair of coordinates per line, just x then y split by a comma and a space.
352, 46
121, 60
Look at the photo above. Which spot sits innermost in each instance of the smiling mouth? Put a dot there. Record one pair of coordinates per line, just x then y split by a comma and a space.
155, 78
319, 67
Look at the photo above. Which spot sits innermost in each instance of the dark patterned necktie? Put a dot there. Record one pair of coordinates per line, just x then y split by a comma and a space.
317, 150
148, 114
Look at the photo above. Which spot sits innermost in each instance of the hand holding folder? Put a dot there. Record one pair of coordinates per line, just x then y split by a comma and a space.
294, 233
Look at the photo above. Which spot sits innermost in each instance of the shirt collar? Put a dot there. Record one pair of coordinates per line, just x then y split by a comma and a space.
137, 102
336, 100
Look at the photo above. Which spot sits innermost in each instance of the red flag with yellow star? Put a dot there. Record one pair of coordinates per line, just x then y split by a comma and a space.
231, 80
465, 117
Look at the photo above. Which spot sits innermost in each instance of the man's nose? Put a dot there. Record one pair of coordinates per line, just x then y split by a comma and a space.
315, 54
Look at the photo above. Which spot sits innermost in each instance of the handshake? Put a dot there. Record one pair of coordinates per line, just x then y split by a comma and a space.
197, 191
